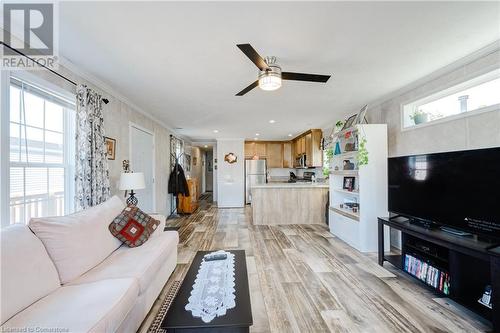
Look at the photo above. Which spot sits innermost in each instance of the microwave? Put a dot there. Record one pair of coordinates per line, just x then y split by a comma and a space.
300, 162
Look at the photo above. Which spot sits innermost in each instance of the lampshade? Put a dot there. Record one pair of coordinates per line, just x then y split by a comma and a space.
132, 181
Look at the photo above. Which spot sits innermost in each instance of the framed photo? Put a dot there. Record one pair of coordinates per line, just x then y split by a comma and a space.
349, 122
361, 117
348, 165
349, 183
110, 147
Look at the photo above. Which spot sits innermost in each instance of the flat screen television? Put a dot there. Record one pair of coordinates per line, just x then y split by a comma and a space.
458, 189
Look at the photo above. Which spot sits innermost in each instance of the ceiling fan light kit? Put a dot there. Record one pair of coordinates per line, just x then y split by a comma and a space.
270, 74
270, 79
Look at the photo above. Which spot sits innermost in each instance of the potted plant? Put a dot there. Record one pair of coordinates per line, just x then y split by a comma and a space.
419, 117
338, 126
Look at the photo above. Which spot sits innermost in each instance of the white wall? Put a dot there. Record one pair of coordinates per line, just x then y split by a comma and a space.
117, 115
231, 177
471, 132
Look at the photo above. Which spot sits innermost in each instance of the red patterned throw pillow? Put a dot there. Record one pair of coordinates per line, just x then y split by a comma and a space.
133, 226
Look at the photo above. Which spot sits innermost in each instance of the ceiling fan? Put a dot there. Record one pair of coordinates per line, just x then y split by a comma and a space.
270, 75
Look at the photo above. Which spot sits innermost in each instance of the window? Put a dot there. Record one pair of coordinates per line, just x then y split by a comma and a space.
476, 95
41, 152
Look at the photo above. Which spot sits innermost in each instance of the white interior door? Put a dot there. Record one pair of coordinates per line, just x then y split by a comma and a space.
142, 160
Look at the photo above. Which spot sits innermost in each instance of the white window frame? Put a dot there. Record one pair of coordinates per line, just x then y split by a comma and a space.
456, 87
69, 149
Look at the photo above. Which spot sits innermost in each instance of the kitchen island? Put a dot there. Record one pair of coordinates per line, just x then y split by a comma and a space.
289, 203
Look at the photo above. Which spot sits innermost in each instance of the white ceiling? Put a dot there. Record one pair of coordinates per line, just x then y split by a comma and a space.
179, 61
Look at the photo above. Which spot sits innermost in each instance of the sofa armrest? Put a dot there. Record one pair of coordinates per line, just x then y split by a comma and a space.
163, 222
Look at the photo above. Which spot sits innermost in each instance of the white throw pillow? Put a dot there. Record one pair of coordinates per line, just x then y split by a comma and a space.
78, 242
27, 273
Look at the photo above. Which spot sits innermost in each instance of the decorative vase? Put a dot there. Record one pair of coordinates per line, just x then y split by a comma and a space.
337, 148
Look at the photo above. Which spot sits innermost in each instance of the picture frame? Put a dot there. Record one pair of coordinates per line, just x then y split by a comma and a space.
348, 183
361, 116
349, 122
110, 145
347, 165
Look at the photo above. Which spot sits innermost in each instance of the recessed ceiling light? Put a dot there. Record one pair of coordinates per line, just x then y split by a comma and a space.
257, 134
289, 134
272, 121
216, 131
206, 146
256, 138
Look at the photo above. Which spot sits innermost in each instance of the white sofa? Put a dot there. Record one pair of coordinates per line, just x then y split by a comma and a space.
69, 274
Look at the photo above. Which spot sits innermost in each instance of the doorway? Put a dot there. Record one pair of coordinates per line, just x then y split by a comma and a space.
142, 160
209, 170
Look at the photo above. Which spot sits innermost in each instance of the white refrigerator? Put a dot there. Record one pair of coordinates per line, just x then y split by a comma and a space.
255, 173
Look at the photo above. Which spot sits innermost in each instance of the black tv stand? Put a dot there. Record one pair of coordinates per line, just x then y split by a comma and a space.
466, 264
456, 232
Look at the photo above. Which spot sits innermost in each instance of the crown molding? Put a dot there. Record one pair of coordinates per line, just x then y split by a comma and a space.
468, 59
113, 93
464, 61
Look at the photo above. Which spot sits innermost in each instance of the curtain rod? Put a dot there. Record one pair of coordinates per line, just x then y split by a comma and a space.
105, 100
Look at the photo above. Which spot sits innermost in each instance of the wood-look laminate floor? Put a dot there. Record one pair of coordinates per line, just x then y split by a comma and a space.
303, 279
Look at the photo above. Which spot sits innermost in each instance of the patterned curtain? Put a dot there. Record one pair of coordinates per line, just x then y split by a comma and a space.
91, 165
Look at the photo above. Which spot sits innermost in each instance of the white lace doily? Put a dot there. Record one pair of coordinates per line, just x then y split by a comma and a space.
213, 289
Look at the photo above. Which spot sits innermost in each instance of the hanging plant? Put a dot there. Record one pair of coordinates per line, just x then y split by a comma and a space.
329, 154
326, 172
362, 153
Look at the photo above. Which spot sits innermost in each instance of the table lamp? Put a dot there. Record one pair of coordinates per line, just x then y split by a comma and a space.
132, 181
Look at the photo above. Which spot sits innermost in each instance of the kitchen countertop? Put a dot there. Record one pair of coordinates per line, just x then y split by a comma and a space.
291, 185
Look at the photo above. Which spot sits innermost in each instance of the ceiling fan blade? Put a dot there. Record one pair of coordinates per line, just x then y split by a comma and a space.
253, 55
247, 89
304, 77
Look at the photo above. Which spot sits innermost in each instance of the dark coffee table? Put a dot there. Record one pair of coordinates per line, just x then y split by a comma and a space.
236, 320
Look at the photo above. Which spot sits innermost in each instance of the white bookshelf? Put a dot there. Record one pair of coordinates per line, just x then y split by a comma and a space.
359, 229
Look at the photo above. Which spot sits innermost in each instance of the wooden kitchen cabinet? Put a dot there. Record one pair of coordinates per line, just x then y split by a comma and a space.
315, 154
260, 149
308, 148
249, 149
283, 154
253, 149
274, 155
287, 155
300, 146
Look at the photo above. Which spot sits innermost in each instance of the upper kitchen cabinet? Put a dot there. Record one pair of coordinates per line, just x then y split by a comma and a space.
299, 145
309, 143
274, 151
313, 149
255, 150
284, 154
287, 155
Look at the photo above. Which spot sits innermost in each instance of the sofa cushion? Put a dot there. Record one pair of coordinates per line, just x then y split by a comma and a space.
79, 241
27, 273
95, 307
141, 262
133, 227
